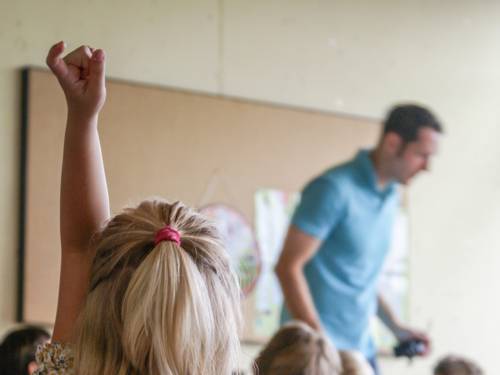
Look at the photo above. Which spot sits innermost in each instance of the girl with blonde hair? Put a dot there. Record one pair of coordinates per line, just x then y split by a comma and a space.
149, 291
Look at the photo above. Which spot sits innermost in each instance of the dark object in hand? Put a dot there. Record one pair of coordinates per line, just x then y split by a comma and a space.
409, 348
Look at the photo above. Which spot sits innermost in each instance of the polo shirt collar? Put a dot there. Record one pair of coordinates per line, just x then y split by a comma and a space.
367, 169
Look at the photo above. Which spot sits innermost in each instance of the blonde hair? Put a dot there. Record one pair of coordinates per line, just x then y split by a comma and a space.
296, 349
354, 363
159, 309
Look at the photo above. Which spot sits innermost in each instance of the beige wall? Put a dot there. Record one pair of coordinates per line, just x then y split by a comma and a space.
356, 57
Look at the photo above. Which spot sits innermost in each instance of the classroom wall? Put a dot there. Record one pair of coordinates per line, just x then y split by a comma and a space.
354, 57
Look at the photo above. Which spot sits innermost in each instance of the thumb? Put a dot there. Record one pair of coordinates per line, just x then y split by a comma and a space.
97, 69
56, 63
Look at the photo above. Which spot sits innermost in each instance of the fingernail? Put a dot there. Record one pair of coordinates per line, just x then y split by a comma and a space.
98, 55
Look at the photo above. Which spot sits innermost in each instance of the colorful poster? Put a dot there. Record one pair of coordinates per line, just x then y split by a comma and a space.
239, 240
273, 211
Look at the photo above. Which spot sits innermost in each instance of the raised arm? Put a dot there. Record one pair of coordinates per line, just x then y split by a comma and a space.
298, 249
84, 194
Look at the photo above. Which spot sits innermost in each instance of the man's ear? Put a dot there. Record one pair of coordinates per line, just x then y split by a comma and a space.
32, 367
392, 143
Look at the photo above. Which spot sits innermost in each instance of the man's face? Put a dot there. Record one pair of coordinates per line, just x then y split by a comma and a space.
415, 156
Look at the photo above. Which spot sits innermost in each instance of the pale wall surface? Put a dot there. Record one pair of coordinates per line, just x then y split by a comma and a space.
356, 57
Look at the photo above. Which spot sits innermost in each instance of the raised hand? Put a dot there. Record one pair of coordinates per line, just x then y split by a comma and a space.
84, 194
81, 75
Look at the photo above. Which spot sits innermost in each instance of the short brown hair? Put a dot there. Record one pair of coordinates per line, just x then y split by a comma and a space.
455, 365
407, 119
296, 349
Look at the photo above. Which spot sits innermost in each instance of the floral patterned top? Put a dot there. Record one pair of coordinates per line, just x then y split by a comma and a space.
54, 359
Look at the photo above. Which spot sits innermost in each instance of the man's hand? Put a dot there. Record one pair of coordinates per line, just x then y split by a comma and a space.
81, 75
398, 329
404, 333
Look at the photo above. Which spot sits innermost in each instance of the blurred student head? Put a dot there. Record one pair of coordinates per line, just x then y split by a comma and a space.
354, 363
297, 349
457, 365
18, 348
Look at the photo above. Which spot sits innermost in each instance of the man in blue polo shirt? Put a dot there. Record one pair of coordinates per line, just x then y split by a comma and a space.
340, 233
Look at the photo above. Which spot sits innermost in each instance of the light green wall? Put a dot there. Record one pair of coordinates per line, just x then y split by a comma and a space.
356, 57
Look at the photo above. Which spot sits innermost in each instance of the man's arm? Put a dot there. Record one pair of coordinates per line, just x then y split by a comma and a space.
400, 331
298, 249
386, 314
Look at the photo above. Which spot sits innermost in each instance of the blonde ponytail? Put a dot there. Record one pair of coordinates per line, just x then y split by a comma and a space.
164, 309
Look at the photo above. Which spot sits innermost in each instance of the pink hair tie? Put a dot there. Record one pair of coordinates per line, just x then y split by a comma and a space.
168, 234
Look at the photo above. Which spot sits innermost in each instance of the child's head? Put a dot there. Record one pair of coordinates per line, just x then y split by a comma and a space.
17, 350
354, 363
164, 306
296, 349
456, 365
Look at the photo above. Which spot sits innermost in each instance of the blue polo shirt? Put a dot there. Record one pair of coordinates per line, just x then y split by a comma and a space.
345, 209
